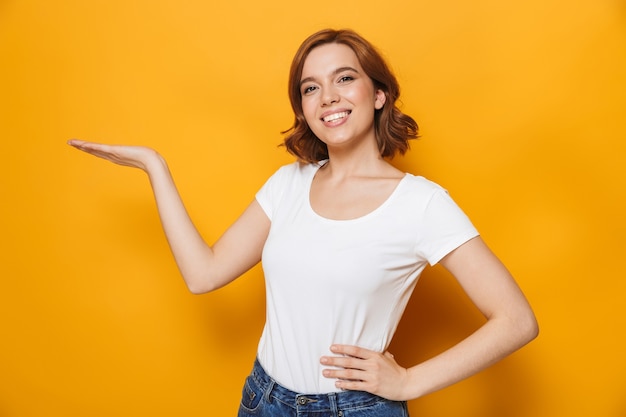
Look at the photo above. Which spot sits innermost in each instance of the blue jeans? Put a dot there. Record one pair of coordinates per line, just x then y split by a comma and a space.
263, 397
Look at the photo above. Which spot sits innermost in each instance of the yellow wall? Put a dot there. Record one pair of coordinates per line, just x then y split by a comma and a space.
522, 113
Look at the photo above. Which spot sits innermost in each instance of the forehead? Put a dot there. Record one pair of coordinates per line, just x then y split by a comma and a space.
326, 58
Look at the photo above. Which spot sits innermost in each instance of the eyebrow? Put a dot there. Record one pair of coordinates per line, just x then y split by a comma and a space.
335, 72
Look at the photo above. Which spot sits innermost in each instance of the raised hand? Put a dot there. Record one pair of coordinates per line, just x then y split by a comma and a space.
132, 156
366, 370
203, 268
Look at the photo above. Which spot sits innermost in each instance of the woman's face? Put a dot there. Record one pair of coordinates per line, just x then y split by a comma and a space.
338, 97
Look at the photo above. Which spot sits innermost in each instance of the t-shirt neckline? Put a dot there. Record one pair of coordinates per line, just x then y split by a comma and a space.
374, 212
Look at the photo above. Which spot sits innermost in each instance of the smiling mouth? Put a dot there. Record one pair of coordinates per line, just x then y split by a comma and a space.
336, 116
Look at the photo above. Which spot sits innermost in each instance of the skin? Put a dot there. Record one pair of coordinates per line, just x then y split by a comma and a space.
355, 181
333, 82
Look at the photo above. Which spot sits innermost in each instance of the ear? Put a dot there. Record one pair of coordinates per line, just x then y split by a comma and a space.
380, 100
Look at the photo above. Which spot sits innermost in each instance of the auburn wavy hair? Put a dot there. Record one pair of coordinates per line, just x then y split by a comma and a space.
392, 127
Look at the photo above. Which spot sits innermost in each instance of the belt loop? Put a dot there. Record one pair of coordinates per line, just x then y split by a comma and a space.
268, 391
332, 399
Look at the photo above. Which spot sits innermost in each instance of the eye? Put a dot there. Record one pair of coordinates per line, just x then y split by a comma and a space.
345, 78
308, 90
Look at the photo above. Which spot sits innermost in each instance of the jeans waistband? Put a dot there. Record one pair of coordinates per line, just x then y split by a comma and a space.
333, 401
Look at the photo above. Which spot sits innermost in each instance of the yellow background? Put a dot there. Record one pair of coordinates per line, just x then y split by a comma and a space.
522, 111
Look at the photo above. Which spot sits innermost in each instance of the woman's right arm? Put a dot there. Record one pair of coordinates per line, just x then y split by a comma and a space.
204, 268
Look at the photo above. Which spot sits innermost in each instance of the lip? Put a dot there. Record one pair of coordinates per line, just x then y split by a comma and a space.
332, 112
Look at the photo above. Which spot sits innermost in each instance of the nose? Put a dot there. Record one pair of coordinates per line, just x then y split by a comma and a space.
329, 97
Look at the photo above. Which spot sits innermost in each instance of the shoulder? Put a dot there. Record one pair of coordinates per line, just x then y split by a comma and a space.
290, 175
294, 170
420, 195
418, 185
298, 168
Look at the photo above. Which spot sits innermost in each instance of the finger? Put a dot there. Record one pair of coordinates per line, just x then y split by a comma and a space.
98, 149
354, 351
343, 362
85, 146
101, 151
78, 143
345, 374
351, 385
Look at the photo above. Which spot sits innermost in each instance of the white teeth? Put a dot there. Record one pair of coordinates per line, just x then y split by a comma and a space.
335, 116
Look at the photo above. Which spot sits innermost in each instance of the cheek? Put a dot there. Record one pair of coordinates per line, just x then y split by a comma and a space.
362, 96
308, 110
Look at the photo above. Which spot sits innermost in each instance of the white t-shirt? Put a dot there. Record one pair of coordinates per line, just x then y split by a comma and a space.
344, 281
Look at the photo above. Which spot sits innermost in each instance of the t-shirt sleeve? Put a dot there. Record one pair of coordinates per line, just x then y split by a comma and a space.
445, 227
270, 193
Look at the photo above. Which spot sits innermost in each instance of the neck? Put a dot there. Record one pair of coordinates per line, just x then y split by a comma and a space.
365, 161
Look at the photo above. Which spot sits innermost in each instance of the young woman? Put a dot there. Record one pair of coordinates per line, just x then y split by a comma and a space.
343, 236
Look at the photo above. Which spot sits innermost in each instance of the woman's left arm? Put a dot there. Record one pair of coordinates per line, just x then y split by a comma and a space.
510, 325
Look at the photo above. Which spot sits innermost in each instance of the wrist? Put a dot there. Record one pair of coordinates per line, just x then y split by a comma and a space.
153, 162
414, 387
